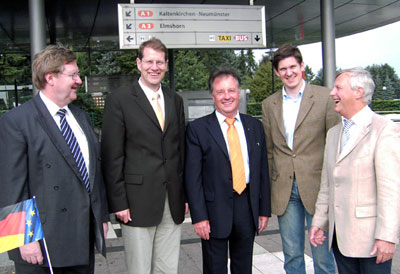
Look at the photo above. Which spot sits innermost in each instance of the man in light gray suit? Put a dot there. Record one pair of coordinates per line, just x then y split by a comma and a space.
36, 160
296, 120
358, 202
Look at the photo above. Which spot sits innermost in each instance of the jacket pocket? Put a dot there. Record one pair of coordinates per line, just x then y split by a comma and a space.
134, 179
209, 196
366, 211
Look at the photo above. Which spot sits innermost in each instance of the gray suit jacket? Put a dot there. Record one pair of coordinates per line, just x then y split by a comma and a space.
360, 188
315, 117
36, 161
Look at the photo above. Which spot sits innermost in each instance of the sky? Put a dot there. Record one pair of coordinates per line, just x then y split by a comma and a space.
377, 46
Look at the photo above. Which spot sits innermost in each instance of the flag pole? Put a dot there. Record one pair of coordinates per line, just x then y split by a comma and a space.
44, 242
47, 255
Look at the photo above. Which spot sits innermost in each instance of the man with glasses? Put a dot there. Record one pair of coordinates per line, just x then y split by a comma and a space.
143, 156
49, 150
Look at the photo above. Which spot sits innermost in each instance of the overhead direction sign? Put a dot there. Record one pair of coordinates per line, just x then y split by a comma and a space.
192, 26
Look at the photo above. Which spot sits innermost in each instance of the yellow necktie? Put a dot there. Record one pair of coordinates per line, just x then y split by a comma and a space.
158, 110
238, 175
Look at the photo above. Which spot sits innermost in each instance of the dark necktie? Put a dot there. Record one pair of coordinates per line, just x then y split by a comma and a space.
74, 147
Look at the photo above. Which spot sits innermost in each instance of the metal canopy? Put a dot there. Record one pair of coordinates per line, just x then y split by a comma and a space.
90, 23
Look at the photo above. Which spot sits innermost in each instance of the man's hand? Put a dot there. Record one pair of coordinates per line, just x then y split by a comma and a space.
203, 229
385, 251
262, 223
105, 228
316, 236
31, 253
124, 215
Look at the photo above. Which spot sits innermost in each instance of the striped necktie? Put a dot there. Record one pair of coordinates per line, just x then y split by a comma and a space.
346, 132
74, 147
236, 157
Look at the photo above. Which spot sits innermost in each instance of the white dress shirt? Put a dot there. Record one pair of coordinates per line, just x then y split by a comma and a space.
290, 108
76, 129
242, 138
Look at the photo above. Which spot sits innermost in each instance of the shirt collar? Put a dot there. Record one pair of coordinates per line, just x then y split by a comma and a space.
285, 96
52, 107
362, 117
150, 93
221, 118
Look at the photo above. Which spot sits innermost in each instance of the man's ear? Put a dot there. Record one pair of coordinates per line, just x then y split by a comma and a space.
359, 93
49, 78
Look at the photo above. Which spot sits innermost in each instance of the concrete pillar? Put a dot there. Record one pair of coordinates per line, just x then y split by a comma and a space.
37, 28
328, 42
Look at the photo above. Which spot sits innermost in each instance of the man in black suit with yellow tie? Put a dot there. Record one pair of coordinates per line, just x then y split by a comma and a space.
226, 178
143, 153
49, 150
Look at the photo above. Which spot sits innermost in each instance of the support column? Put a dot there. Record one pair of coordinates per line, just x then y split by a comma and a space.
328, 42
37, 28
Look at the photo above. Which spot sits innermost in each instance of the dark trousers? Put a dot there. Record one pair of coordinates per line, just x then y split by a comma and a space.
240, 242
350, 265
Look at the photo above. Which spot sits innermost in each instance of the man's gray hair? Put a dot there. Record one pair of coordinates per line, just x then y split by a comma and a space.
360, 77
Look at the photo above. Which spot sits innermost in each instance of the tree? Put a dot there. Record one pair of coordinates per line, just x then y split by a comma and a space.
308, 74
190, 71
387, 83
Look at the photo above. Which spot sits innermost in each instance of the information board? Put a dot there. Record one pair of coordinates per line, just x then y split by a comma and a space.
192, 26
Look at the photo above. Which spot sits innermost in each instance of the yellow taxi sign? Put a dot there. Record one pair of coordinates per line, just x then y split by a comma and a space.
224, 37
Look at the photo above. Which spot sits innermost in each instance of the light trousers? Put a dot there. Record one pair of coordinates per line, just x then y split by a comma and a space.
150, 250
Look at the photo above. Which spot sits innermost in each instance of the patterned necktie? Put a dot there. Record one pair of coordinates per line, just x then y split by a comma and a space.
74, 147
235, 151
157, 108
346, 132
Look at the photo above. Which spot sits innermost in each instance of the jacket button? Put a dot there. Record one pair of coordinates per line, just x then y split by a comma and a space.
64, 210
48, 165
56, 188
294, 156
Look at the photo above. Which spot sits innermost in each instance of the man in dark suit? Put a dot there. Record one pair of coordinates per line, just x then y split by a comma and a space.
36, 160
226, 180
143, 153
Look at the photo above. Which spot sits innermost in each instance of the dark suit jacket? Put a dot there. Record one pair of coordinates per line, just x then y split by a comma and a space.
208, 174
35, 161
141, 163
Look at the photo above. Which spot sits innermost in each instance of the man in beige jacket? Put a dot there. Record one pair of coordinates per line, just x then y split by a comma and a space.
359, 199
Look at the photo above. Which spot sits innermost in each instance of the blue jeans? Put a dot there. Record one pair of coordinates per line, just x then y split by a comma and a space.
291, 225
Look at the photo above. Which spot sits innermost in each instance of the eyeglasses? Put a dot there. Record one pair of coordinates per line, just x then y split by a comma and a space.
149, 63
74, 76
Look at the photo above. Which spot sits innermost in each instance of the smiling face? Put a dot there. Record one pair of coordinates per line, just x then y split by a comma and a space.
152, 67
291, 74
62, 87
347, 100
226, 95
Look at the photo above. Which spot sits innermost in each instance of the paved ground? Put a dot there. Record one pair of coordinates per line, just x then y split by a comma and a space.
268, 257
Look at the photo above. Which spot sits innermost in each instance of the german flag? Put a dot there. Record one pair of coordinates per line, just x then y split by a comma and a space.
19, 225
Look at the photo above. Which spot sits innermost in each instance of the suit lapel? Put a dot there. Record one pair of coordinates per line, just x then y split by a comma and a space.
347, 149
144, 103
169, 107
305, 105
278, 114
54, 133
215, 130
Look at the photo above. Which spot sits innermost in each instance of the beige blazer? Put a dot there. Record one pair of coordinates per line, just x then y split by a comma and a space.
360, 188
316, 115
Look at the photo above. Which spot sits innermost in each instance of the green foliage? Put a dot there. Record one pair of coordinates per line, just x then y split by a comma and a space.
190, 72
15, 67
261, 86
387, 83
85, 102
385, 105
308, 74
